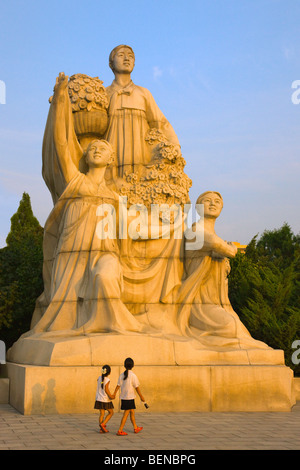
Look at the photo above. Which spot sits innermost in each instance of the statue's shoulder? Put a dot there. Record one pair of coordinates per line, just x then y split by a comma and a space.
143, 90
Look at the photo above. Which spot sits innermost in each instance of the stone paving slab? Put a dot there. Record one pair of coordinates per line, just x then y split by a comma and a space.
162, 431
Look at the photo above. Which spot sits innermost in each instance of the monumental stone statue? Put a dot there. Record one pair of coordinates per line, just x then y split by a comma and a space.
124, 274
114, 149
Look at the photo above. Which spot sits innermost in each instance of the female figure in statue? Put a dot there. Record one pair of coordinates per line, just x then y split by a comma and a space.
206, 313
82, 272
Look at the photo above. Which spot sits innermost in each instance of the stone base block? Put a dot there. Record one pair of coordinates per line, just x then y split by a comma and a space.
112, 349
4, 391
297, 388
71, 389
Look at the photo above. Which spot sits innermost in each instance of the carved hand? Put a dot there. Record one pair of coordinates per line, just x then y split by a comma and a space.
60, 84
233, 248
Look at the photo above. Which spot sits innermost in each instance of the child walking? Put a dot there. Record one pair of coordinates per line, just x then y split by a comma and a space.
128, 383
103, 398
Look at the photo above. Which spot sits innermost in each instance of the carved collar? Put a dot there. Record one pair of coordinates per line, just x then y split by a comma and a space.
128, 89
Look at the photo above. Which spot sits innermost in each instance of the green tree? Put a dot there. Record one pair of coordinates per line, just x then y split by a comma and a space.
20, 272
278, 247
264, 289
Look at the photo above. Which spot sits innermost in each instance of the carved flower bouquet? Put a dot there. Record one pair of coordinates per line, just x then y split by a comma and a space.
89, 105
163, 180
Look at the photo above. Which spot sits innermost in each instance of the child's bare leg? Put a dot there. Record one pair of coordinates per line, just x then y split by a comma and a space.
110, 412
132, 419
101, 416
123, 420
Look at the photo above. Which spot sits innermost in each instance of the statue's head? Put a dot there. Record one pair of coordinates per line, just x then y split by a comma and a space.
99, 153
212, 202
121, 59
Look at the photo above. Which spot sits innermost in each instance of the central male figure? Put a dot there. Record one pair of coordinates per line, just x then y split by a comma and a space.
132, 111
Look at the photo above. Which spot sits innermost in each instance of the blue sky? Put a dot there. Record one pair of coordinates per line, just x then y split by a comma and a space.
220, 70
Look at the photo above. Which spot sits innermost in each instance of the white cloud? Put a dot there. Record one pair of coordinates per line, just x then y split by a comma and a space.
288, 52
157, 72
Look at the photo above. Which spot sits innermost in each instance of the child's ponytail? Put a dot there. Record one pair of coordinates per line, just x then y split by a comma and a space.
105, 372
128, 364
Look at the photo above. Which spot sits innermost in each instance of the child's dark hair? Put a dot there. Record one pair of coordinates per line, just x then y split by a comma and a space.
105, 372
128, 364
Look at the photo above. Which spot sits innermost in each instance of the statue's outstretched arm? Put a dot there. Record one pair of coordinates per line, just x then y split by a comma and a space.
61, 104
219, 247
61, 149
210, 244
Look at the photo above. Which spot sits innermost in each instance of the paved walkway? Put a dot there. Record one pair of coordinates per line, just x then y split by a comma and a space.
162, 431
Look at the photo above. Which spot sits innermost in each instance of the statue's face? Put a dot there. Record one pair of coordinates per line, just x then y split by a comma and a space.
213, 205
98, 155
123, 61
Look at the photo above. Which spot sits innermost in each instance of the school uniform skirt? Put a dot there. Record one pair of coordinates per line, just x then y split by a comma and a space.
103, 405
127, 404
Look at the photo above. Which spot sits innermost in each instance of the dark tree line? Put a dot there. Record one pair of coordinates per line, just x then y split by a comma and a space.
264, 283
20, 273
264, 289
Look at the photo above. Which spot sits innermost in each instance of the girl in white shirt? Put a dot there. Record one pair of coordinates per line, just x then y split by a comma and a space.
103, 398
129, 384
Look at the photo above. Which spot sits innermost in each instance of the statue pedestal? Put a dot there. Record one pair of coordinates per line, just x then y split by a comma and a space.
174, 376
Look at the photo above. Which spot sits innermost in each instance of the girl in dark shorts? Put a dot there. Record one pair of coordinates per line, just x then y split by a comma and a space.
103, 398
128, 383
